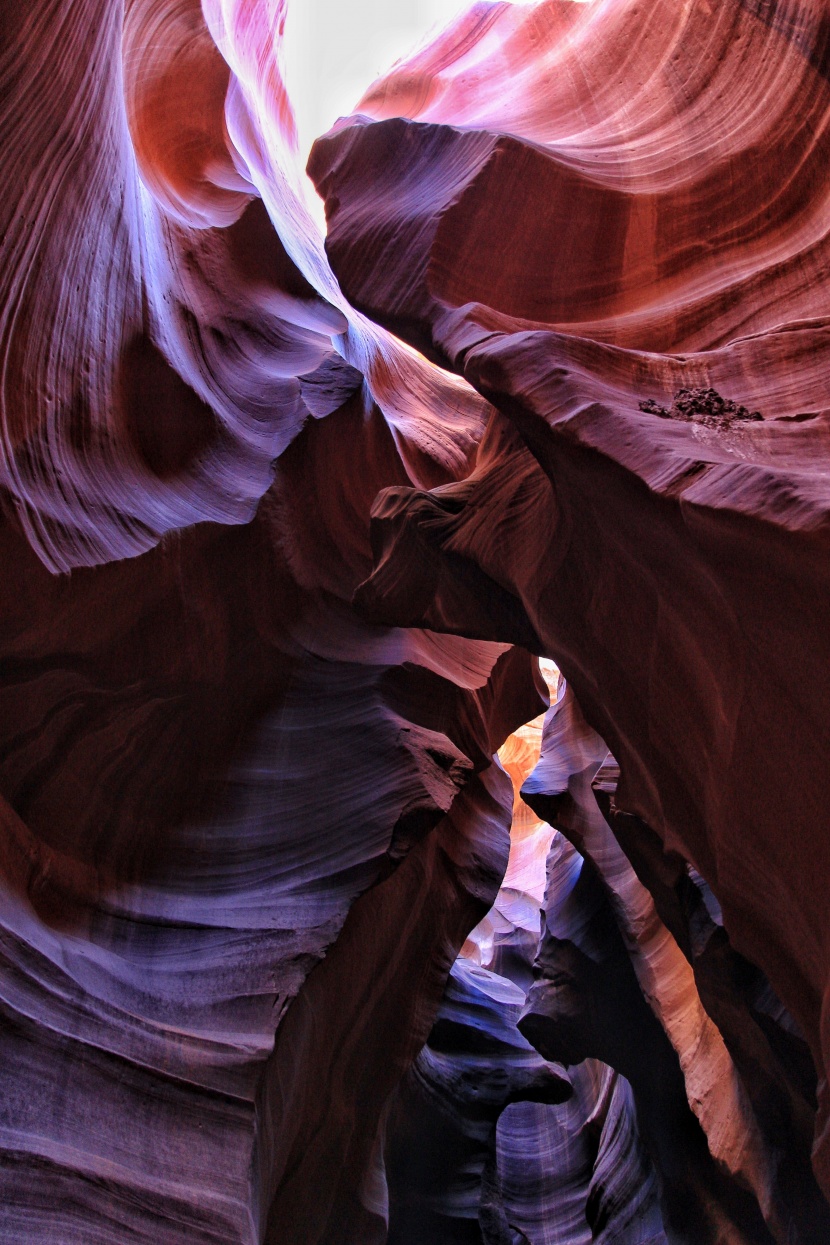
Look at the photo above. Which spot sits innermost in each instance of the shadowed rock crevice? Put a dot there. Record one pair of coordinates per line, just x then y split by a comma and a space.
286, 520
678, 572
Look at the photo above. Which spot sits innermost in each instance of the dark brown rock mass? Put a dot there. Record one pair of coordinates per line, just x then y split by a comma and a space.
593, 245
286, 523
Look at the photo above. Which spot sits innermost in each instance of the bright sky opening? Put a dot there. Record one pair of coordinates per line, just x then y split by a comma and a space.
336, 48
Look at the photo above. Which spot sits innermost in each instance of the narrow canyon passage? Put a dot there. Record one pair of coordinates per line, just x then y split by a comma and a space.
414, 640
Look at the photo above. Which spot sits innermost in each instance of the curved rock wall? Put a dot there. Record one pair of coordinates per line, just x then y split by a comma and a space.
628, 261
282, 520
207, 756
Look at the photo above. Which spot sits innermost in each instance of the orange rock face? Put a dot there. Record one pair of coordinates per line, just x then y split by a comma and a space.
591, 210
285, 522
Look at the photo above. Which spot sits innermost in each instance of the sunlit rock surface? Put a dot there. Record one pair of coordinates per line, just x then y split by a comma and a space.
592, 209
478, 1144
207, 757
285, 522
610, 968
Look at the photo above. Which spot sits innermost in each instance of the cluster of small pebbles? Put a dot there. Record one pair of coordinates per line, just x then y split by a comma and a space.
703, 406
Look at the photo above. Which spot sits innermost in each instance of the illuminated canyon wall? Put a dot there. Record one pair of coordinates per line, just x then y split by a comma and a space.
330, 914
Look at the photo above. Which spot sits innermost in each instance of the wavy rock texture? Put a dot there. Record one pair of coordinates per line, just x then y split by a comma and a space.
272, 576
179, 851
579, 1173
213, 773
441, 1133
478, 1146
739, 1076
591, 209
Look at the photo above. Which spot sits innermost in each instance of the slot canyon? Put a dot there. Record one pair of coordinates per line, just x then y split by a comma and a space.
415, 629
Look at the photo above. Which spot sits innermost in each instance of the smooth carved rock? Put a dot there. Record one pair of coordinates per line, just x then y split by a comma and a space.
572, 1171
588, 1003
580, 1172
769, 1053
587, 210
206, 757
184, 852
441, 1132
742, 1078
249, 811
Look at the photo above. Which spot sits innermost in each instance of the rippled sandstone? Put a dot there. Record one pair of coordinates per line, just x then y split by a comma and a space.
590, 210
281, 524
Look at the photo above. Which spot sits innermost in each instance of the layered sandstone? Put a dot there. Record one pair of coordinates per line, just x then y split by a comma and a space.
589, 211
285, 522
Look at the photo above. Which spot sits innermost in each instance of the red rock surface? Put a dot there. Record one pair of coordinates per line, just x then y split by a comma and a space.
207, 756
281, 523
590, 210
